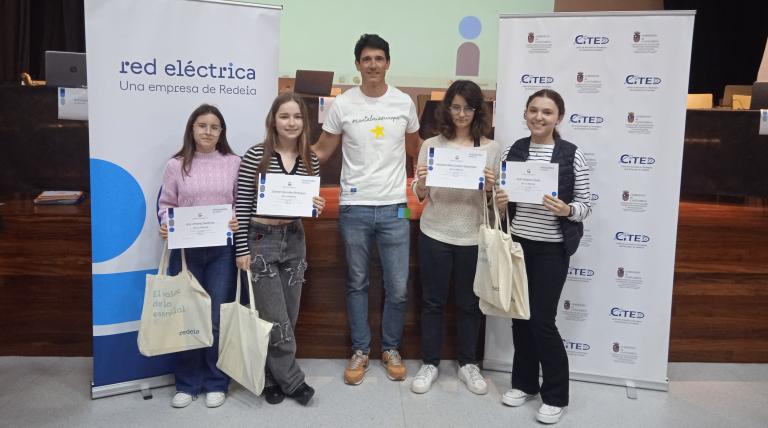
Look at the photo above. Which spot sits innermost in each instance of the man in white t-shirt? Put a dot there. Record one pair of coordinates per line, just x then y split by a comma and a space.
375, 123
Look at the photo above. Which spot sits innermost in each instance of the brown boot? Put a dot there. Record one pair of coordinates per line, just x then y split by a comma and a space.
356, 368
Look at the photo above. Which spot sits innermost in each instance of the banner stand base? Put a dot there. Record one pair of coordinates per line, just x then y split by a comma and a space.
142, 385
629, 384
631, 390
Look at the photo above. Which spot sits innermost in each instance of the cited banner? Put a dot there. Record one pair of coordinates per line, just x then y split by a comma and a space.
624, 79
150, 64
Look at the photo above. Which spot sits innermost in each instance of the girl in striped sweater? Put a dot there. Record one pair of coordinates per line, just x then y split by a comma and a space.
273, 248
549, 234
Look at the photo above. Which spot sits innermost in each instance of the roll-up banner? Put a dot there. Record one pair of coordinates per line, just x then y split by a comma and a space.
624, 79
150, 64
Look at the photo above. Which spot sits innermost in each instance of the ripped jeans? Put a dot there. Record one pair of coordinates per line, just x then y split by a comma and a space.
278, 262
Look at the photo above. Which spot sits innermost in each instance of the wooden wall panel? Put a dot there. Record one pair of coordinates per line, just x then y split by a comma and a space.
45, 279
721, 284
718, 307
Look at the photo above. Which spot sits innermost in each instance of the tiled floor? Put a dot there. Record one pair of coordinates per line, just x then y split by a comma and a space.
54, 392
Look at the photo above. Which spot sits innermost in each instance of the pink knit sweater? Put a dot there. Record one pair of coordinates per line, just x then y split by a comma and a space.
212, 181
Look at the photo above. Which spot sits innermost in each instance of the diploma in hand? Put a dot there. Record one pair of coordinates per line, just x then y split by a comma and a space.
529, 181
203, 226
456, 168
287, 195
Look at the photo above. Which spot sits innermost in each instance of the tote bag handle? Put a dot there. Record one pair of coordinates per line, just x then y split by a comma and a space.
251, 304
162, 268
497, 220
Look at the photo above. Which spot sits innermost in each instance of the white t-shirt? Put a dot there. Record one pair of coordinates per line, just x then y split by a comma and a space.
373, 145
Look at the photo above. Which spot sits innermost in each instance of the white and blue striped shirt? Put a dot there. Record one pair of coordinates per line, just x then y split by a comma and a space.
533, 221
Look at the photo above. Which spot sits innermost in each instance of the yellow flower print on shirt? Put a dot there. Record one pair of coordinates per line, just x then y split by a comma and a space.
378, 131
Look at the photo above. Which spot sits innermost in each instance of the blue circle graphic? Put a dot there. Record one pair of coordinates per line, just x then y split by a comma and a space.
118, 210
470, 27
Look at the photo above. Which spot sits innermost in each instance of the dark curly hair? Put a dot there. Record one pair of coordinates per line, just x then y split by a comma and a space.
473, 95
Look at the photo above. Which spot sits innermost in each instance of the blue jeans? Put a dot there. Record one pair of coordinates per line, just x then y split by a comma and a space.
360, 225
215, 270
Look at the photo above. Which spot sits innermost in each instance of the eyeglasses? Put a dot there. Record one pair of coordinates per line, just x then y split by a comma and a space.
457, 109
213, 129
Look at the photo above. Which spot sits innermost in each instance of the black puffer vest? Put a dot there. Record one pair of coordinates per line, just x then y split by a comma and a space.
563, 155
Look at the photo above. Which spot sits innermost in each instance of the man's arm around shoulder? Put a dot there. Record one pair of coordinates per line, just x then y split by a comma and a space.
412, 144
326, 145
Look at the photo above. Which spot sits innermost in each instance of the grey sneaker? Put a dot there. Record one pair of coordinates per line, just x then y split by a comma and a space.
515, 397
424, 378
470, 375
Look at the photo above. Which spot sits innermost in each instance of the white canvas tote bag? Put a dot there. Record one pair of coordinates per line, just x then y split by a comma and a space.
176, 315
494, 261
243, 341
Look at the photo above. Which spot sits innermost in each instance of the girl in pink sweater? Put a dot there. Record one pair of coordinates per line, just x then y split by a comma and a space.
203, 172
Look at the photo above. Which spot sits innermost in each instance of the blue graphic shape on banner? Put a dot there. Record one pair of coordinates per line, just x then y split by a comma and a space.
118, 297
119, 360
118, 210
157, 206
470, 27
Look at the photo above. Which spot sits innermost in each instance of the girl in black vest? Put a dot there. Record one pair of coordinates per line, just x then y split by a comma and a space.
549, 234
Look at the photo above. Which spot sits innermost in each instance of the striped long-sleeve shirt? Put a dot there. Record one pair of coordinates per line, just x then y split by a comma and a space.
245, 205
533, 221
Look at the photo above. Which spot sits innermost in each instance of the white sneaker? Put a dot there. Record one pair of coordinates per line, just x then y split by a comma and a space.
515, 397
181, 399
470, 375
214, 399
424, 378
549, 414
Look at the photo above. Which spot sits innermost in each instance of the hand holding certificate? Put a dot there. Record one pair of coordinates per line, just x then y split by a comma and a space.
529, 181
203, 226
287, 195
456, 168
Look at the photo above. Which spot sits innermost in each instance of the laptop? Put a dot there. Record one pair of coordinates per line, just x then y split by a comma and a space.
313, 82
65, 69
759, 96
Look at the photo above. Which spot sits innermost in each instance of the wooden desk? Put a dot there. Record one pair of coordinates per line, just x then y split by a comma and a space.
720, 292
45, 278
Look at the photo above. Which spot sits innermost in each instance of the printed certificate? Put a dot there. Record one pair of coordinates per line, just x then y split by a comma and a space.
529, 181
203, 226
287, 195
456, 168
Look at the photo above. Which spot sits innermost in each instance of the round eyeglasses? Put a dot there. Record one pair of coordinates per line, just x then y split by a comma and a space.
457, 109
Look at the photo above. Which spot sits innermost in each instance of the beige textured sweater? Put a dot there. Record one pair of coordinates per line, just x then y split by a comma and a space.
454, 216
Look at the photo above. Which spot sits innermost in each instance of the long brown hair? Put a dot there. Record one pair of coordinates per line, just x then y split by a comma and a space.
270, 140
473, 95
189, 148
556, 98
